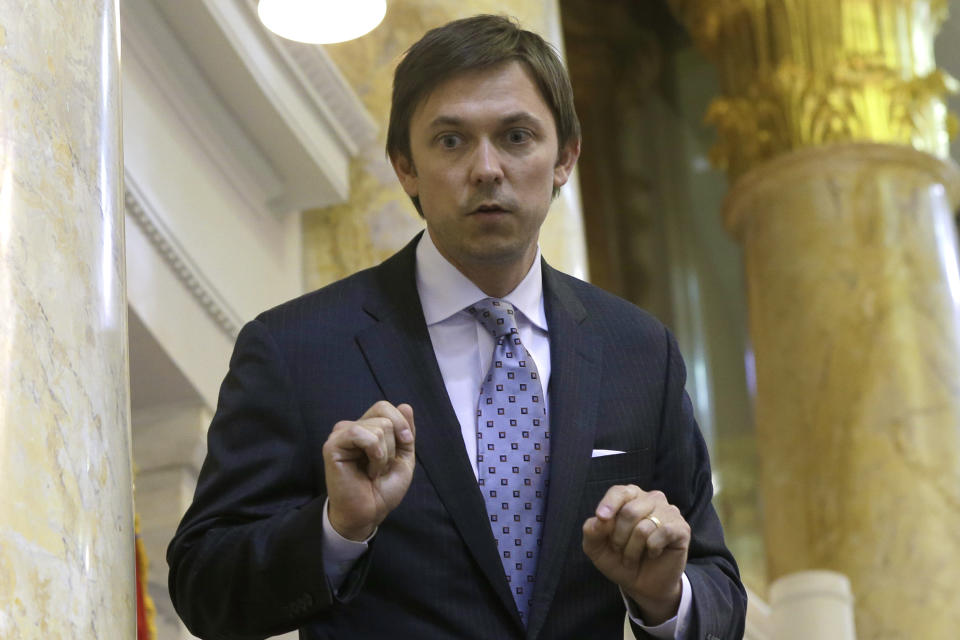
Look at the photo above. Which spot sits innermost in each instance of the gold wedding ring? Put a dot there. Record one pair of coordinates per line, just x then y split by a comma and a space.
655, 520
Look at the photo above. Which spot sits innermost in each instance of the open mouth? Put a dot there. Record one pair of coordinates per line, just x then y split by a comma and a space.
490, 208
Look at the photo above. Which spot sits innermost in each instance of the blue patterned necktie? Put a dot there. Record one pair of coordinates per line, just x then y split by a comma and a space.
513, 449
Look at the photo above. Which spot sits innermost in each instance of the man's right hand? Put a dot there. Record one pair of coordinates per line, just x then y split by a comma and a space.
368, 465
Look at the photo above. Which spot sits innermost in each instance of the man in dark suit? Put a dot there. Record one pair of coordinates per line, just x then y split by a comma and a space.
461, 442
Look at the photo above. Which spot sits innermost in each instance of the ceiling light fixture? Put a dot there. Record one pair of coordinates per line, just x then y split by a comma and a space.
321, 21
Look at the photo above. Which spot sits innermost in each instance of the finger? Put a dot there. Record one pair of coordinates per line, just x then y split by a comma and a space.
408, 431
349, 442
674, 535
615, 497
596, 533
369, 438
638, 542
377, 460
383, 427
384, 409
629, 516
400, 423
361, 442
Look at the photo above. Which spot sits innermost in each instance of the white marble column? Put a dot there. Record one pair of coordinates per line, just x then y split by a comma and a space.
66, 523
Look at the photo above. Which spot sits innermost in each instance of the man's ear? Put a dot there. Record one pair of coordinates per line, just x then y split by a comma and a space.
406, 173
566, 160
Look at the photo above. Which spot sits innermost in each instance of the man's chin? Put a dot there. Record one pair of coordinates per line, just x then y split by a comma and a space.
491, 251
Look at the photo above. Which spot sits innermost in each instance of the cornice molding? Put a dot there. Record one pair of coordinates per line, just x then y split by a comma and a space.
276, 118
324, 77
138, 208
287, 74
151, 43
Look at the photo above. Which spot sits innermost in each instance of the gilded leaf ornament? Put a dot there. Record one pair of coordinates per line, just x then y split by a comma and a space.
805, 73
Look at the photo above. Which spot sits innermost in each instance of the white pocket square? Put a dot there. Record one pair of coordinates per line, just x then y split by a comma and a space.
599, 453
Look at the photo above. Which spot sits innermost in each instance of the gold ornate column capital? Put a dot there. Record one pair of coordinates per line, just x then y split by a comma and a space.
814, 72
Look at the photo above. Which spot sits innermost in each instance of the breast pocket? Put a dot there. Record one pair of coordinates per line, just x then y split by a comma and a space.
632, 467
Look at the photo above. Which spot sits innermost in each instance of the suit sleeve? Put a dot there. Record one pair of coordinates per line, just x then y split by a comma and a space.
683, 473
246, 560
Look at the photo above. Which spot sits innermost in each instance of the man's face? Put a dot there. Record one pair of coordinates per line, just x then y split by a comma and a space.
485, 163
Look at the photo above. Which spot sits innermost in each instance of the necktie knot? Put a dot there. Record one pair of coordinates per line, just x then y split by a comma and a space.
495, 315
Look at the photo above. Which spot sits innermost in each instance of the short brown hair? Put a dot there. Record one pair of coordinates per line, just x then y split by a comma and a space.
473, 43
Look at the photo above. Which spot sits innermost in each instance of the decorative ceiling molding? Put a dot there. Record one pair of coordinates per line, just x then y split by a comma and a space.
280, 80
280, 121
314, 100
333, 89
178, 259
150, 43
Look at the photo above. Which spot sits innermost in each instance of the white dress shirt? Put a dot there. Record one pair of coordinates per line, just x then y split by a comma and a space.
462, 346
463, 350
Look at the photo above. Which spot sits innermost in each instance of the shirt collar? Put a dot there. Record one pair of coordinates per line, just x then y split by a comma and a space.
444, 291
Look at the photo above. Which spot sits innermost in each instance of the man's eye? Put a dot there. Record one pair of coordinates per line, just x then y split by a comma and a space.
518, 136
449, 141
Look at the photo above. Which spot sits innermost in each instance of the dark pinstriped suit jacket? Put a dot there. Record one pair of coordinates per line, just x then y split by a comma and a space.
246, 559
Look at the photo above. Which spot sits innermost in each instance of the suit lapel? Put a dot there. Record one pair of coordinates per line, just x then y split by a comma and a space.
574, 389
400, 355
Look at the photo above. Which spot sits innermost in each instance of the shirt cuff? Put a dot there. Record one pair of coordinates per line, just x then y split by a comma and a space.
676, 626
339, 553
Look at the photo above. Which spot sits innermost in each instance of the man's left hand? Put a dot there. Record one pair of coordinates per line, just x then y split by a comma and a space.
640, 541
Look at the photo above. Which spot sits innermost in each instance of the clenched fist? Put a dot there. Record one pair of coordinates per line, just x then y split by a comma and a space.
368, 466
640, 541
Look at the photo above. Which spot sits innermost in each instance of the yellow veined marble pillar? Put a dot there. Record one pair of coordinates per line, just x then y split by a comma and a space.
379, 218
832, 126
66, 522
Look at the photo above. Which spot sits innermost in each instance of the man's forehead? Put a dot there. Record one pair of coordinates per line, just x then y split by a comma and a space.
444, 103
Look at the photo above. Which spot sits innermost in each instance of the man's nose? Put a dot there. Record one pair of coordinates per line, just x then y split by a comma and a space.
486, 165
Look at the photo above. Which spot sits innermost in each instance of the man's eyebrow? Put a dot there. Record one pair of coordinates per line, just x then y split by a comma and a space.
520, 117
509, 119
445, 121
